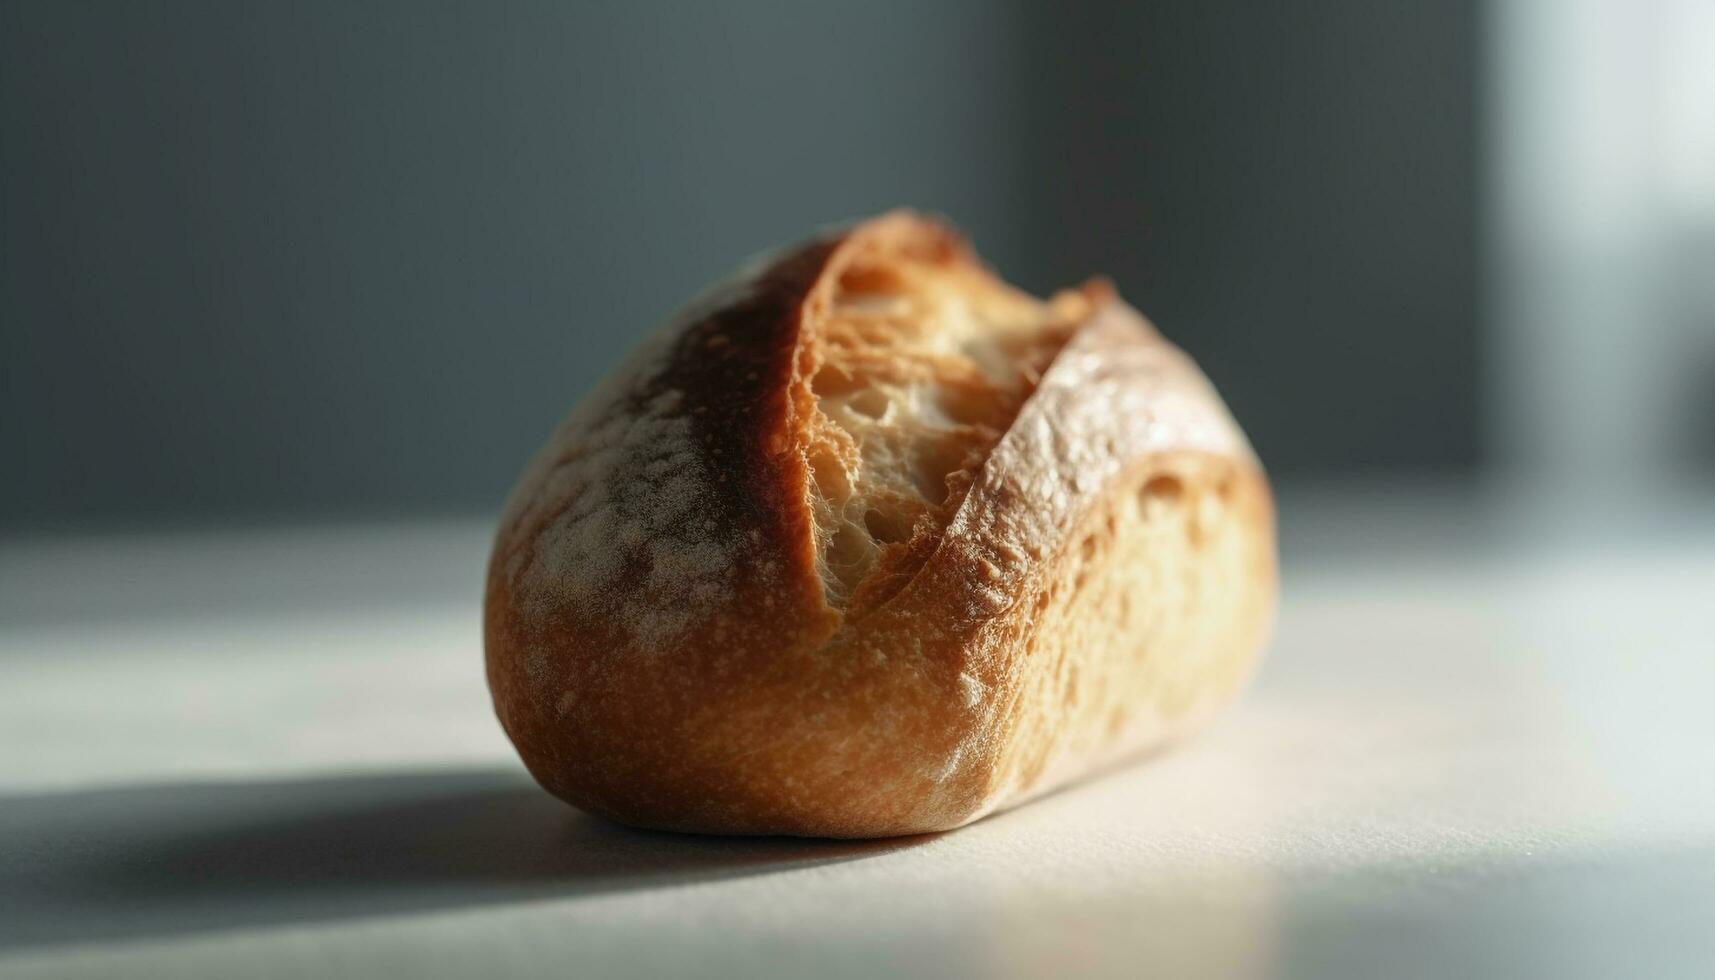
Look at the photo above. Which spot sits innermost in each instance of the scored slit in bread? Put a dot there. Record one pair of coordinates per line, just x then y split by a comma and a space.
916, 366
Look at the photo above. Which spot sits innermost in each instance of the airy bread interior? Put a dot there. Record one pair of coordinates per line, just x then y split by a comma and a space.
916, 365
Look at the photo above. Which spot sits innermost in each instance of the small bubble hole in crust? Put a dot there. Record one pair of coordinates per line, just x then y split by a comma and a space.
1199, 512
919, 363
1162, 490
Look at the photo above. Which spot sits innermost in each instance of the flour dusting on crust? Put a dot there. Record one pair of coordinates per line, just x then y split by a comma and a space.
620, 497
635, 486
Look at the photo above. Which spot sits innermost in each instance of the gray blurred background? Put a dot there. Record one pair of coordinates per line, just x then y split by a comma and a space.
339, 261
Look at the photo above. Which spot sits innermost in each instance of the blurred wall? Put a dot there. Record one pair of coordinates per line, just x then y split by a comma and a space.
329, 259
1291, 191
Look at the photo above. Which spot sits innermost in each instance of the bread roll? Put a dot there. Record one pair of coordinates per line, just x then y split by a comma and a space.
867, 542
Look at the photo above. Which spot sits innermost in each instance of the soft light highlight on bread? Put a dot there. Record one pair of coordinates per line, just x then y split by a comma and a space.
867, 542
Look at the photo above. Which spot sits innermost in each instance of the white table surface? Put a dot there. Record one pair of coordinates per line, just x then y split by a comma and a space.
271, 754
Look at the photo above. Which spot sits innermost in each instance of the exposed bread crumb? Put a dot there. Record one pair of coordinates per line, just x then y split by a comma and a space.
919, 367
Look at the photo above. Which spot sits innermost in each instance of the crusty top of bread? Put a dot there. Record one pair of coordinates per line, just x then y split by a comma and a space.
798, 513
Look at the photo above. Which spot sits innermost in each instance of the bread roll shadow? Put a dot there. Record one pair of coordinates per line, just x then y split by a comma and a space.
171, 859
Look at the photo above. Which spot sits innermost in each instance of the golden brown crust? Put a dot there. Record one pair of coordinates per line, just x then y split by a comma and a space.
662, 650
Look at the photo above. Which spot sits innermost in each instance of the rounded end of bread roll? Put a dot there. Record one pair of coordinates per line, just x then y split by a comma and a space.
866, 542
